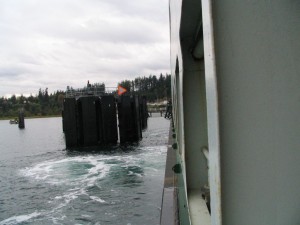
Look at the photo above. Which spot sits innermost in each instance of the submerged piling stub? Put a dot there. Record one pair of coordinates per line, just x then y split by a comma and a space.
21, 119
129, 119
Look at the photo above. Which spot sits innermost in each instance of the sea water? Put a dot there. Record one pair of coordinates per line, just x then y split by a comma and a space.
42, 182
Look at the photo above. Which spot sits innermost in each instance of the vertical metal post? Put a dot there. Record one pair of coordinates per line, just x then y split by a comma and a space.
212, 113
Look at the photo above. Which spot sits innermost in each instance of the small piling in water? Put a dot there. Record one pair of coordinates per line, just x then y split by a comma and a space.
21, 119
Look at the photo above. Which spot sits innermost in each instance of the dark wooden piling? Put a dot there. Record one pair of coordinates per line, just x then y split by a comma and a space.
21, 119
70, 121
129, 119
143, 112
99, 121
87, 117
92, 120
108, 120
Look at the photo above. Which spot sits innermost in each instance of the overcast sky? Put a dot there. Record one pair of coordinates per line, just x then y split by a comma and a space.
59, 43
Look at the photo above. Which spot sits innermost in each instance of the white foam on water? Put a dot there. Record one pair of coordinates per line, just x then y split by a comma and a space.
155, 149
78, 173
65, 199
86, 216
152, 169
70, 170
130, 173
97, 199
19, 219
39, 172
61, 201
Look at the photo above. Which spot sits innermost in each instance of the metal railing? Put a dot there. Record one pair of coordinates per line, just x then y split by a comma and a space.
95, 91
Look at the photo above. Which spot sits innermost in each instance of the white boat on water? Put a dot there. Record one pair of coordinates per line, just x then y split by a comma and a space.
15, 121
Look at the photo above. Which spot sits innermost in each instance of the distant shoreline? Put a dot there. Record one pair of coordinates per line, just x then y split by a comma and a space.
29, 117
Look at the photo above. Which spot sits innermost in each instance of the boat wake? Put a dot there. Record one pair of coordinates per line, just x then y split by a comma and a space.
87, 180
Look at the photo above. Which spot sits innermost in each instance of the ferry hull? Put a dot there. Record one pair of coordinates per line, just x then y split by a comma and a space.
235, 89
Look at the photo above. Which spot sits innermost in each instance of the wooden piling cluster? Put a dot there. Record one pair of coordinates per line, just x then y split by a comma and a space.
92, 120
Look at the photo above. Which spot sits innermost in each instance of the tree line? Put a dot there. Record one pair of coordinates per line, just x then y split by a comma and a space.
50, 104
153, 87
42, 104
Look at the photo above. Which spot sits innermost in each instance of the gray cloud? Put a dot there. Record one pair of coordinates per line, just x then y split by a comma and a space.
56, 43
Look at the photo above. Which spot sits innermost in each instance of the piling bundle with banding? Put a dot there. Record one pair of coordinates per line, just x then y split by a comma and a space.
92, 120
